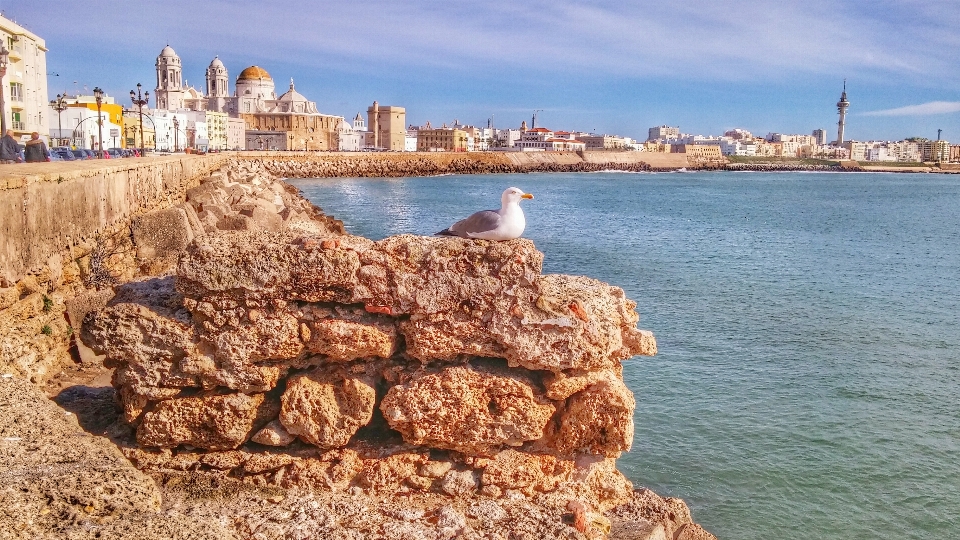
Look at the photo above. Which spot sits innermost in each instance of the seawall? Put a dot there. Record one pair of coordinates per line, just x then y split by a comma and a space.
48, 208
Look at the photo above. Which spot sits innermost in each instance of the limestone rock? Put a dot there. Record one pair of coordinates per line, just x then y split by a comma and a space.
327, 407
513, 470
217, 422
470, 410
145, 332
273, 434
563, 384
388, 473
459, 483
692, 531
162, 234
341, 340
52, 472
645, 506
596, 420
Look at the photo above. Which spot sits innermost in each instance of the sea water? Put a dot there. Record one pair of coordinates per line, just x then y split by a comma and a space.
808, 379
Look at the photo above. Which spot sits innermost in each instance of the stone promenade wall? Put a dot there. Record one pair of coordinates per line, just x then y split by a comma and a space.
46, 208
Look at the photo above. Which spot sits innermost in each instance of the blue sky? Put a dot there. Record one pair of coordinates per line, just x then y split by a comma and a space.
615, 67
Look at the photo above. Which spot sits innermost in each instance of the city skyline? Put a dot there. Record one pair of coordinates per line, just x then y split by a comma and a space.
703, 67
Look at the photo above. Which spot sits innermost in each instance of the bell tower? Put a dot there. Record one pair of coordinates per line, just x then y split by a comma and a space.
169, 89
217, 79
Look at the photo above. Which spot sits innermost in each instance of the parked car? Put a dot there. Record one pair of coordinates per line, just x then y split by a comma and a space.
65, 154
53, 156
115, 152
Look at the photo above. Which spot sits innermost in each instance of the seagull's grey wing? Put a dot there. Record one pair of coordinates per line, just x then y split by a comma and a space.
480, 222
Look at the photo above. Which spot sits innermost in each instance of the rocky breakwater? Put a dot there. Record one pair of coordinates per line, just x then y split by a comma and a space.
396, 165
447, 382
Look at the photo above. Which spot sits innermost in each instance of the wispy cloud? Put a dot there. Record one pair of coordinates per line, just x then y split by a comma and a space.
923, 109
700, 40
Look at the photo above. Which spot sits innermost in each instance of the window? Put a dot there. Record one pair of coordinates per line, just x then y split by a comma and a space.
16, 91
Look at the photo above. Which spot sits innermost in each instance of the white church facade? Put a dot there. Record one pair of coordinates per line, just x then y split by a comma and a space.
254, 100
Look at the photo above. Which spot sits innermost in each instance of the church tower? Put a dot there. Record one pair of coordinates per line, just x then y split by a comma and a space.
217, 79
169, 90
842, 109
218, 95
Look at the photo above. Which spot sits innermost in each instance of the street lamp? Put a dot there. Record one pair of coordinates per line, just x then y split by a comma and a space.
4, 59
176, 134
59, 105
140, 101
98, 93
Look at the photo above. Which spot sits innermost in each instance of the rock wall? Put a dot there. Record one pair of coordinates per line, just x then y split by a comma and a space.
66, 234
451, 345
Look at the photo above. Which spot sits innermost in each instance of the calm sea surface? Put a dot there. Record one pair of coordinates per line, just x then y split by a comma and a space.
808, 380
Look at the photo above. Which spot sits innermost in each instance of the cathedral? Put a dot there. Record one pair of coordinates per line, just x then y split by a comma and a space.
290, 121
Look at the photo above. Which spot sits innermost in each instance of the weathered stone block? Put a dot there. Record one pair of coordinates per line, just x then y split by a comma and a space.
219, 422
468, 410
327, 407
162, 234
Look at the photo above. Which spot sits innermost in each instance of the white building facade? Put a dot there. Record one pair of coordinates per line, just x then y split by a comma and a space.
25, 101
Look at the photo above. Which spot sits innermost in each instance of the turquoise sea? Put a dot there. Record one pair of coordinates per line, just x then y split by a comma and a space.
808, 381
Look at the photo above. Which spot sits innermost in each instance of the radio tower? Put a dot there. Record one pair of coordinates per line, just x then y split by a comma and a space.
842, 109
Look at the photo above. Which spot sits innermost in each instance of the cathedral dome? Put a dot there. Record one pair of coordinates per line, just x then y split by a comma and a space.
168, 52
254, 72
216, 62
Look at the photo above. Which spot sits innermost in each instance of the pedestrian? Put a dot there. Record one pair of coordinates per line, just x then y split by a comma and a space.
36, 149
9, 149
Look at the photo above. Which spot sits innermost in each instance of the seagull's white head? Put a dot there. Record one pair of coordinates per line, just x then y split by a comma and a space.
513, 195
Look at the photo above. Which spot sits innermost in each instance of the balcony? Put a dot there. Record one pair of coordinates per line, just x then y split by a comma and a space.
16, 53
18, 126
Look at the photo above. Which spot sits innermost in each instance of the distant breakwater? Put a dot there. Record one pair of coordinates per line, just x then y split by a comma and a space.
787, 167
395, 165
425, 167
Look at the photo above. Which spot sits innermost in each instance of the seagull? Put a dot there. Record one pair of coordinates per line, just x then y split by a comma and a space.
506, 223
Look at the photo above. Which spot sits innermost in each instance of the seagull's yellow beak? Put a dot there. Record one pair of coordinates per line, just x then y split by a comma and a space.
527, 196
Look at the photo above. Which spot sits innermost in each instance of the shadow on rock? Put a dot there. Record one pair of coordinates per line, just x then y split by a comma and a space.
95, 407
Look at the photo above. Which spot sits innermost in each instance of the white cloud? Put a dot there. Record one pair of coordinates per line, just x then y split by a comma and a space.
676, 40
923, 109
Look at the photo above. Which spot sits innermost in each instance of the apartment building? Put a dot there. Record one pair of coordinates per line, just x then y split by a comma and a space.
25, 102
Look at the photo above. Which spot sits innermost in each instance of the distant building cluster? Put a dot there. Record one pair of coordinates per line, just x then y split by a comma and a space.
253, 116
178, 116
740, 142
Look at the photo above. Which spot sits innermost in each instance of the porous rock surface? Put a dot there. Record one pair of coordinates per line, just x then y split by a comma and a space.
460, 335
58, 481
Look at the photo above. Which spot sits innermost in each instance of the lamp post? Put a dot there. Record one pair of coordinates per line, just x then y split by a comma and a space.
4, 59
98, 94
59, 105
140, 101
176, 134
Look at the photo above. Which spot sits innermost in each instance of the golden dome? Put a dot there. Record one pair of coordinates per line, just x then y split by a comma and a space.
254, 72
